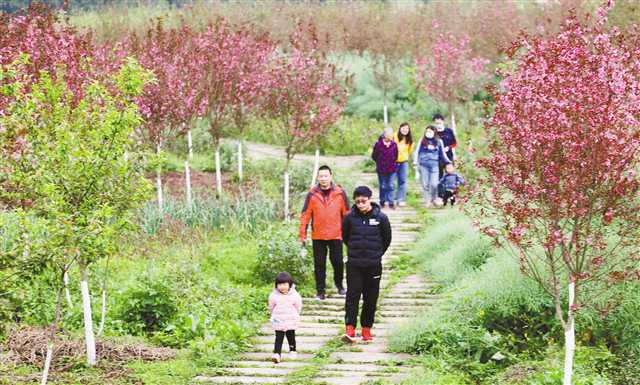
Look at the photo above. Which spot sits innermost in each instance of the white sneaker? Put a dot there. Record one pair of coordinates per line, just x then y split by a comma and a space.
402, 204
293, 355
275, 358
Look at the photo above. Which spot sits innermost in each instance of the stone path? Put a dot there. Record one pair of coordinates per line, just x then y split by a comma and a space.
323, 323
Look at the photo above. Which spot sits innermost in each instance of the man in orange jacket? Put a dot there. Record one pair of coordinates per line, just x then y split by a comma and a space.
325, 207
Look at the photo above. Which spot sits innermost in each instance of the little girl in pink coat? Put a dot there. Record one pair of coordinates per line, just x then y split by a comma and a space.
285, 304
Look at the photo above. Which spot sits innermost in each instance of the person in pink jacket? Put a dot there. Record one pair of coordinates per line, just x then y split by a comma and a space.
285, 304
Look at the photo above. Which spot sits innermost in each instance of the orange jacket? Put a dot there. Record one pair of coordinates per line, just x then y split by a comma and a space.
324, 213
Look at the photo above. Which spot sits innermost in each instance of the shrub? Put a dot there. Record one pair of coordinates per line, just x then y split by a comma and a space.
279, 250
149, 305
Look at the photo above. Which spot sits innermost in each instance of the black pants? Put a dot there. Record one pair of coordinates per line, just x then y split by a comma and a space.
320, 248
363, 281
291, 339
449, 195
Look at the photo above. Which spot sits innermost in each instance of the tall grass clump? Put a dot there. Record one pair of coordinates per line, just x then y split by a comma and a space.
211, 214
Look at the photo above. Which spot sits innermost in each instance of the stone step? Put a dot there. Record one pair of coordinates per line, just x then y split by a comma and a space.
299, 339
356, 357
406, 301
266, 356
240, 380
337, 319
311, 347
332, 330
275, 370
351, 380
360, 368
268, 364
402, 294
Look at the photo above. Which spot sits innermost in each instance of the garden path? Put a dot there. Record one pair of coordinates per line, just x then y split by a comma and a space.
322, 358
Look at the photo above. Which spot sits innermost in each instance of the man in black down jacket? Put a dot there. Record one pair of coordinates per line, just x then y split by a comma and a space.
367, 233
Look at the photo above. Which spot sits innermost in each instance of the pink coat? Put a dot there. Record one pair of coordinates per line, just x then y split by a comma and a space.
285, 309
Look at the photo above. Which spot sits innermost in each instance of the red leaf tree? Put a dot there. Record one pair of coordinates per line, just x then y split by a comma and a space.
173, 100
50, 46
305, 95
234, 64
561, 184
451, 73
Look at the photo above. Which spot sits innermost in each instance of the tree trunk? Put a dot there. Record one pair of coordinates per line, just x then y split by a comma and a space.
190, 144
286, 195
187, 173
52, 336
159, 186
240, 161
88, 322
453, 118
218, 173
386, 115
103, 311
67, 293
316, 165
569, 337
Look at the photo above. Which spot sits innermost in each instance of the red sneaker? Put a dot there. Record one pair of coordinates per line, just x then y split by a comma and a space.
349, 335
366, 335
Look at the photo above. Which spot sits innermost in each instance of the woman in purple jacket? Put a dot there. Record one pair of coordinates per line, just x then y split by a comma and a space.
385, 154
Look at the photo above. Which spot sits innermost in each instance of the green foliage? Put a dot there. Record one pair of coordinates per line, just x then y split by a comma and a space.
148, 305
69, 169
279, 250
490, 307
210, 214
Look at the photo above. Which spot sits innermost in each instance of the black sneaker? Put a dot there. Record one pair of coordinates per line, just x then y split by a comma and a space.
342, 291
321, 296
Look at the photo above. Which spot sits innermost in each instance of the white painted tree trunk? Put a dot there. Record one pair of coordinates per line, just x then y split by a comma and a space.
47, 363
103, 311
88, 322
159, 185
453, 122
240, 171
218, 173
316, 165
386, 115
286, 196
190, 144
569, 337
67, 293
187, 173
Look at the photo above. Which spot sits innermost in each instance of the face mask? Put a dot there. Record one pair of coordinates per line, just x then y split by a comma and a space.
429, 134
440, 126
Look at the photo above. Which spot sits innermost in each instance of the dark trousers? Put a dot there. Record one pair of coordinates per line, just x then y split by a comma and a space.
363, 281
320, 248
291, 339
449, 196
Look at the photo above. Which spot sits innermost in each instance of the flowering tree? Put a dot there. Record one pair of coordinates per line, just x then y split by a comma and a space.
172, 101
305, 96
49, 45
561, 185
451, 73
233, 64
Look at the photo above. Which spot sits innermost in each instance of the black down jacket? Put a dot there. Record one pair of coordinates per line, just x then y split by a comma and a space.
367, 236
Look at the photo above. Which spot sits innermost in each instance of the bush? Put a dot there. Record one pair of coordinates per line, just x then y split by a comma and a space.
149, 305
279, 250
